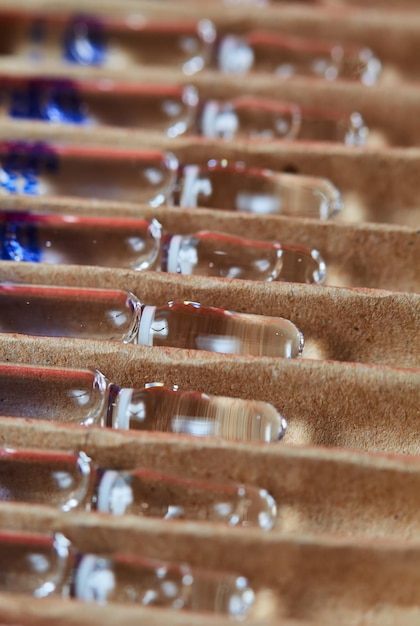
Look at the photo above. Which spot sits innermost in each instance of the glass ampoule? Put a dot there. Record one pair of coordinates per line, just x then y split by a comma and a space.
87, 398
170, 109
72, 481
102, 173
262, 118
80, 240
284, 56
236, 187
44, 565
136, 244
208, 253
105, 314
110, 42
250, 117
328, 125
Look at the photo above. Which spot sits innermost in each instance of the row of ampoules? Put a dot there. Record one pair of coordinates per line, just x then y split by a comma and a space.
126, 41
115, 315
44, 565
156, 178
173, 110
72, 481
87, 398
139, 244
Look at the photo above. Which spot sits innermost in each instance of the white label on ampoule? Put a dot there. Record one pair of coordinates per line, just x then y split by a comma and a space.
193, 187
145, 336
217, 121
122, 418
173, 252
235, 56
114, 494
94, 579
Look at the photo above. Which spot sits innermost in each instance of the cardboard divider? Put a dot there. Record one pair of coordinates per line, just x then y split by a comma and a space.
357, 255
346, 544
330, 404
376, 185
338, 324
321, 580
390, 114
318, 491
397, 47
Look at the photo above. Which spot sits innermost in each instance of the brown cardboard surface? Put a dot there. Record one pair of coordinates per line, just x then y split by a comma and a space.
345, 548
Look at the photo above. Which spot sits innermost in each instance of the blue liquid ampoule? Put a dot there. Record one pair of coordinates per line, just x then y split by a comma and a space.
112, 174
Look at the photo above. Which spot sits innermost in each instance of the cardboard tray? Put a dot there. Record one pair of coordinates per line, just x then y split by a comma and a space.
346, 545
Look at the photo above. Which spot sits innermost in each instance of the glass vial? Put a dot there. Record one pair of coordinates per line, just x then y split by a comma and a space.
101, 314
87, 398
249, 117
236, 187
80, 240
33, 563
109, 41
193, 326
69, 481
285, 56
104, 314
42, 565
170, 109
110, 174
208, 253
130, 578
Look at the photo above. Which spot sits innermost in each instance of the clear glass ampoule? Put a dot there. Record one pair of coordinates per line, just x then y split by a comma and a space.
102, 173
285, 55
208, 253
170, 109
236, 187
72, 481
43, 565
87, 398
80, 240
251, 117
110, 41
112, 315
327, 125
101, 314
262, 118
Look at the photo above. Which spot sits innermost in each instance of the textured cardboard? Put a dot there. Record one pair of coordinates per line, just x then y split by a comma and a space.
345, 548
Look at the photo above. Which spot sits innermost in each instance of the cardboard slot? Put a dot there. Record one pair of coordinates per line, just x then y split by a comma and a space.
330, 404
337, 324
319, 580
356, 255
343, 23
391, 115
318, 492
345, 548
376, 185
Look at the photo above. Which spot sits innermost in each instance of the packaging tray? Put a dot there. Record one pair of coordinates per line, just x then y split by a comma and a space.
346, 545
